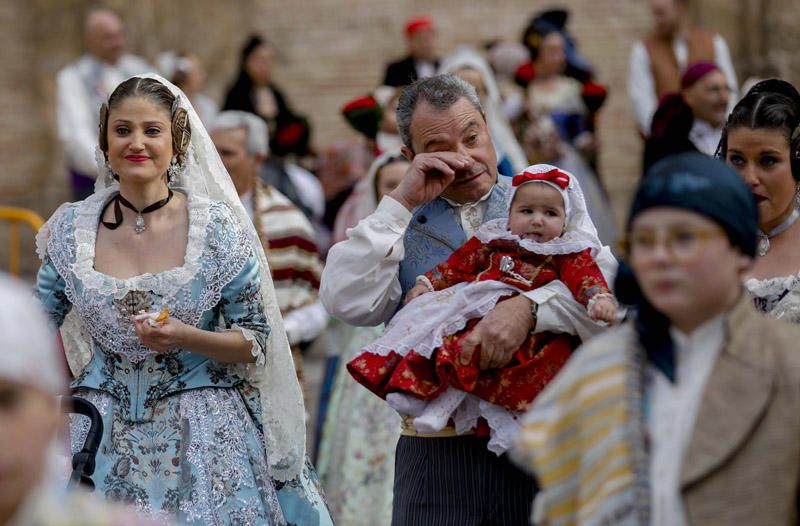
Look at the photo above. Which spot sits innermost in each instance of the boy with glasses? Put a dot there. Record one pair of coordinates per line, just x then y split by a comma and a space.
688, 413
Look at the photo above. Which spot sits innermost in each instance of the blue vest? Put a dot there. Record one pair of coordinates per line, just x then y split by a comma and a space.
435, 232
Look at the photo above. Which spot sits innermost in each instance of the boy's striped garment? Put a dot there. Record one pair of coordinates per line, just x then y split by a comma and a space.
584, 438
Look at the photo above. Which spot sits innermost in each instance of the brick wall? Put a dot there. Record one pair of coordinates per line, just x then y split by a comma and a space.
330, 50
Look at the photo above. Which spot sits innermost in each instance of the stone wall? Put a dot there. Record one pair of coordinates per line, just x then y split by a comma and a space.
331, 50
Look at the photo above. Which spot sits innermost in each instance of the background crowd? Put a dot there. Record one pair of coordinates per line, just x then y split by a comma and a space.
302, 189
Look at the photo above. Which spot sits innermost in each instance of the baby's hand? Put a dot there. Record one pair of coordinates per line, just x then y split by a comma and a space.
418, 290
603, 309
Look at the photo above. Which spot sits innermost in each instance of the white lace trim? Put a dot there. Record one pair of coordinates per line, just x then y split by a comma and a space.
769, 286
779, 297
255, 346
43, 235
505, 426
85, 225
570, 242
72, 252
409, 331
79, 425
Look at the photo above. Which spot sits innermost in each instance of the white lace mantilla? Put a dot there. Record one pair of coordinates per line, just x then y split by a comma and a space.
216, 252
570, 242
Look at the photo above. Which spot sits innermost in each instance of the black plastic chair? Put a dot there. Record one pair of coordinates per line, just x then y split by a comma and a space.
83, 462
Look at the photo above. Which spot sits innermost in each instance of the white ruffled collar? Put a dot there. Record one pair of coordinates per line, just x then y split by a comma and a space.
85, 224
570, 242
766, 286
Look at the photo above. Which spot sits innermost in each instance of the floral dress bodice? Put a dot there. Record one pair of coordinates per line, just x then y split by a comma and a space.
217, 288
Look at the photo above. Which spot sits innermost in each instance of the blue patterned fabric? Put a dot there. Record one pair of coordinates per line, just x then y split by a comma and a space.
183, 434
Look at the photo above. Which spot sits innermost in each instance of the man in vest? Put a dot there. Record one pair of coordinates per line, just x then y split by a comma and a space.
450, 189
84, 86
658, 61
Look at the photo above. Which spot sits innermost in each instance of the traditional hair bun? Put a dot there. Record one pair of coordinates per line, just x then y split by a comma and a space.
778, 86
181, 133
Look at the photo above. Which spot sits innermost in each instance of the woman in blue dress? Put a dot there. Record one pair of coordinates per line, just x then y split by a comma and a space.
203, 414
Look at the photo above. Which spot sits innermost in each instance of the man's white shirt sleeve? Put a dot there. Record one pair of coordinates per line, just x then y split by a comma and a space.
722, 57
641, 85
360, 282
77, 124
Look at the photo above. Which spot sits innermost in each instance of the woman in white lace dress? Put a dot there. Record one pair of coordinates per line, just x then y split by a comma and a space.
202, 411
761, 141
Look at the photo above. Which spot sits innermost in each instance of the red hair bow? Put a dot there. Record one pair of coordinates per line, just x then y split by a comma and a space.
555, 176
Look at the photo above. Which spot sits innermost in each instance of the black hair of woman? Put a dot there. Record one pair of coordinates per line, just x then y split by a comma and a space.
770, 104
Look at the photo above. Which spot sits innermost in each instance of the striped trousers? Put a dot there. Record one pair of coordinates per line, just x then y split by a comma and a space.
457, 482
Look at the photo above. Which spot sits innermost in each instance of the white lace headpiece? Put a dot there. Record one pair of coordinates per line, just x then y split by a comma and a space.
579, 233
283, 413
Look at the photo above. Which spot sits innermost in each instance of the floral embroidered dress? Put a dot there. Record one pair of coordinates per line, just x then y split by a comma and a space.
355, 460
183, 434
410, 359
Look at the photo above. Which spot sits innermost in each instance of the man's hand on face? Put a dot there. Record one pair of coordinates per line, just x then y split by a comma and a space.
428, 175
499, 334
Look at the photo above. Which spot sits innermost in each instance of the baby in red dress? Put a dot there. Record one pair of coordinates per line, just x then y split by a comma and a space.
416, 363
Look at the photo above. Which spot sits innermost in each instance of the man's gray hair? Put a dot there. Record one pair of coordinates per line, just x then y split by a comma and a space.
256, 132
441, 92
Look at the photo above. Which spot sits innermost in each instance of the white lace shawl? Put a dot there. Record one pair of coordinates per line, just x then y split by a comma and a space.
282, 409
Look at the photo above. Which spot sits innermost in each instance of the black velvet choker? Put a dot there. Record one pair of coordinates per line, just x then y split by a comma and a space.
139, 226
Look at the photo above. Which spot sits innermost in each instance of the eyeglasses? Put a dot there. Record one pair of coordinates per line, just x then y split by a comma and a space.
681, 242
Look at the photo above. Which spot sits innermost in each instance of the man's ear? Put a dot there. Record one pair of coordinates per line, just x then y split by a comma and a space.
407, 153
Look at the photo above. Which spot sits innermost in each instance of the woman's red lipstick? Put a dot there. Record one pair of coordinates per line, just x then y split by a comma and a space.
137, 158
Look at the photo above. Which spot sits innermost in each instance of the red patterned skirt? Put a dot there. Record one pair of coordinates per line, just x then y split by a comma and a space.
512, 387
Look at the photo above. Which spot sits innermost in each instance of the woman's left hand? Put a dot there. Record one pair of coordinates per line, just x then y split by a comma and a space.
166, 335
